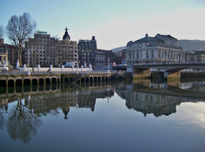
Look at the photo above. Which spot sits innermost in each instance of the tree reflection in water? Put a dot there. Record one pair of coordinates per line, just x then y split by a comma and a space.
1, 119
22, 122
3, 110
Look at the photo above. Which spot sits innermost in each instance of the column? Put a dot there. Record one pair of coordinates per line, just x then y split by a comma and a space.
84, 82
7, 86
63, 83
56, 83
22, 85
60, 83
101, 80
31, 85
14, 86
50, 83
88, 81
44, 84
38, 85
97, 80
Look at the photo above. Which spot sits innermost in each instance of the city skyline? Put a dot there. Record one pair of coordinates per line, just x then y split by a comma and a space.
113, 23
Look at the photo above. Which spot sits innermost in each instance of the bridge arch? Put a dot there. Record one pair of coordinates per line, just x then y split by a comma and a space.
11, 86
34, 84
48, 83
41, 84
27, 85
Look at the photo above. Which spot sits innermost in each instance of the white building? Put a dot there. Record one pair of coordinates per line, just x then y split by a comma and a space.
158, 49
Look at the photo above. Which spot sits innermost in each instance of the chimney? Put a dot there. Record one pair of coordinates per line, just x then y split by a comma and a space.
93, 37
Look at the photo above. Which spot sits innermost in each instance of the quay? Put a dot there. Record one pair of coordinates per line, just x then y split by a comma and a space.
43, 79
52, 80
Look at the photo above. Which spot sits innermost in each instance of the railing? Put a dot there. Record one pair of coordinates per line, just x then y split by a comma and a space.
171, 63
18, 72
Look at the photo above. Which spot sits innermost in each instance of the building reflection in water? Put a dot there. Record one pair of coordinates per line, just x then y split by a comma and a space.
52, 103
158, 99
23, 117
84, 98
87, 98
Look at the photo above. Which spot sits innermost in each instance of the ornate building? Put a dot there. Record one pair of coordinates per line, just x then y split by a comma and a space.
45, 50
158, 49
87, 51
104, 57
200, 55
67, 49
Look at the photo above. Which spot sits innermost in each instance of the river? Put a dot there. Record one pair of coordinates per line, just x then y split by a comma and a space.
139, 116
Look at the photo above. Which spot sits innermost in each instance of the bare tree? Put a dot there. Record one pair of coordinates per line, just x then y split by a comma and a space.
22, 122
19, 29
1, 31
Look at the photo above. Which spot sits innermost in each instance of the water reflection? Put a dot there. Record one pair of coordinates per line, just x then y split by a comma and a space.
22, 122
159, 99
21, 114
3, 110
24, 114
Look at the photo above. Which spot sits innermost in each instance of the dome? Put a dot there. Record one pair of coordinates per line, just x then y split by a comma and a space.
66, 35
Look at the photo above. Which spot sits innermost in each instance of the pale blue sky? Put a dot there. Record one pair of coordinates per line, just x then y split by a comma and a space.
113, 22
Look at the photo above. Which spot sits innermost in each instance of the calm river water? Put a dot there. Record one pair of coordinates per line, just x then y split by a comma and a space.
141, 116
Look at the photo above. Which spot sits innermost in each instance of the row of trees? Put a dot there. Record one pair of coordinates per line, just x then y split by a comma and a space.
18, 30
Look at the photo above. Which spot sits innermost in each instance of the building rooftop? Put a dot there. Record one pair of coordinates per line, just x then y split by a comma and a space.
165, 36
158, 39
149, 39
41, 32
92, 40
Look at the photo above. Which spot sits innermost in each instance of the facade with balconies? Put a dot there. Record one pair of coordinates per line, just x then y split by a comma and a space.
158, 49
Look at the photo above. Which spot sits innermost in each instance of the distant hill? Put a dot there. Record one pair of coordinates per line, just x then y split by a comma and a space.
192, 44
115, 50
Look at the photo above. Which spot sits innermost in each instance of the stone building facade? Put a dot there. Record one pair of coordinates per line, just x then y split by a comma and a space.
120, 57
87, 51
99, 59
158, 49
67, 50
200, 55
8, 52
44, 50
35, 50
104, 58
195, 56
190, 57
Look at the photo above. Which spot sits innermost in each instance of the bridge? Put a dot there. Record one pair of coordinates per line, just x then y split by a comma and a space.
169, 70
